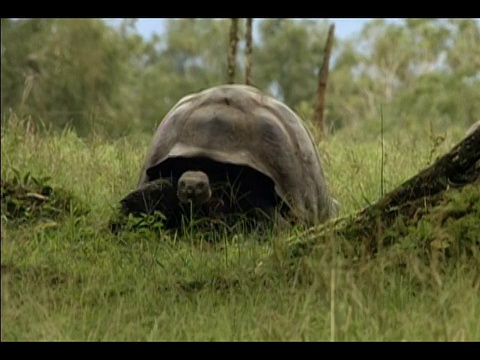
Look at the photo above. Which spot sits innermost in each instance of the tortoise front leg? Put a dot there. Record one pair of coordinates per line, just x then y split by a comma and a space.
157, 195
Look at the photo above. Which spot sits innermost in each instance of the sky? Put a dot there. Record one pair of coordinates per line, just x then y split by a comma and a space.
344, 27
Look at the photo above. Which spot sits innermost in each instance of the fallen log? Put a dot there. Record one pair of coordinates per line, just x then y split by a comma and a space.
454, 169
411, 199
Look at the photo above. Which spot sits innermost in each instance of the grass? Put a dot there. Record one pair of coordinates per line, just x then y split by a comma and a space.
65, 277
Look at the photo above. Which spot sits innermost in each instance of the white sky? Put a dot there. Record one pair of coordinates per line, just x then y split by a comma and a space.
344, 27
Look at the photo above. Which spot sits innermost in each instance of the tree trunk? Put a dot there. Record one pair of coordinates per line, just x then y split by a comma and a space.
232, 51
322, 81
248, 52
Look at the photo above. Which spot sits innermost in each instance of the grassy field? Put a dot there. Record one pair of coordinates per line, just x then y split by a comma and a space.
65, 277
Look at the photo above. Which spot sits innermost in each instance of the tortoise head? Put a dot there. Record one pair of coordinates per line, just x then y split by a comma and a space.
194, 187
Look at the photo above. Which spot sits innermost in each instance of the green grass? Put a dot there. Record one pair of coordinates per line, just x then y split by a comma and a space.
65, 277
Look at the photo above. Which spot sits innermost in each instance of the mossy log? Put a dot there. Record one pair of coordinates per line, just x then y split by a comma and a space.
410, 200
454, 169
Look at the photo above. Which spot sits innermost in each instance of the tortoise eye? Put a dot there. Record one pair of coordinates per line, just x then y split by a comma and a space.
200, 186
181, 184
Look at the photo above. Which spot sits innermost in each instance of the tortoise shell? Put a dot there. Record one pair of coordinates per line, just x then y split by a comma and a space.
240, 125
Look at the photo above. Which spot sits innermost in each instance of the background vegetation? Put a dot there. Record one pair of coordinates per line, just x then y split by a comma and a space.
80, 101
83, 73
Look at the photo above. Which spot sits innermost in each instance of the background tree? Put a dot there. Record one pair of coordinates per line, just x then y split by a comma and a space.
70, 72
248, 51
29, 33
189, 57
404, 67
286, 58
232, 51
322, 81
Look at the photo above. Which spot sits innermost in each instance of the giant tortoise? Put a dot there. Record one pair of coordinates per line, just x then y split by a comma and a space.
232, 149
